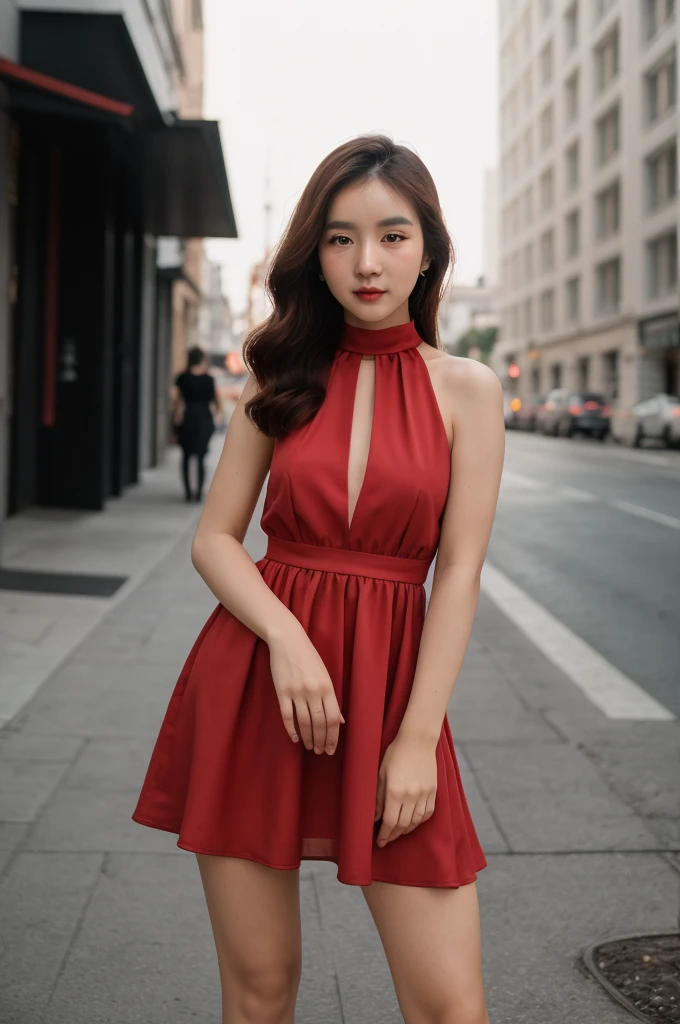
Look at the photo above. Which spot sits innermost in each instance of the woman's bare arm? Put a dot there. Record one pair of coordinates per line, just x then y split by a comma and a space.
300, 677
476, 396
217, 550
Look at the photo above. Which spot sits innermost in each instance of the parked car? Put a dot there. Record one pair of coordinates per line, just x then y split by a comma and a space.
511, 407
526, 417
566, 411
656, 418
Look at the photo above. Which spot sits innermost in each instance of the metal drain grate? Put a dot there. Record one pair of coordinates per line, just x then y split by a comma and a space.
70, 583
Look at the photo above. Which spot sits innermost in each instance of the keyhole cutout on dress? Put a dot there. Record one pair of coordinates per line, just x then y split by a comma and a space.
360, 434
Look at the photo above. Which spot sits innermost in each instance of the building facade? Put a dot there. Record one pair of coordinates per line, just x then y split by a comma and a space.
588, 197
108, 169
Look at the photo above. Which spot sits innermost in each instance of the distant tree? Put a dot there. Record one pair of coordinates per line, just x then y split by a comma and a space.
484, 340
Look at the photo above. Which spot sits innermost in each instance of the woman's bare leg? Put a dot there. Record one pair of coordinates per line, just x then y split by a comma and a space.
255, 917
432, 941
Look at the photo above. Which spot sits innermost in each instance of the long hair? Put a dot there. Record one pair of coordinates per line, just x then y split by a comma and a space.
290, 351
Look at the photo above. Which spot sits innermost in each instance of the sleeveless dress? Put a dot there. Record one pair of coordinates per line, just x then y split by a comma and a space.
224, 774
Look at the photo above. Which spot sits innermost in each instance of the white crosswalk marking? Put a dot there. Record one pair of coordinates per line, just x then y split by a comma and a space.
607, 687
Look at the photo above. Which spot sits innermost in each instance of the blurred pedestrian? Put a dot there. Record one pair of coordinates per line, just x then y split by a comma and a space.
322, 647
195, 410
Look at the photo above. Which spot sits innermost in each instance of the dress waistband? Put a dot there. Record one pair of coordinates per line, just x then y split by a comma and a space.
350, 563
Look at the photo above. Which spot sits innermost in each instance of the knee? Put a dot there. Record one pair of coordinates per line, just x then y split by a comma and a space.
456, 1011
267, 996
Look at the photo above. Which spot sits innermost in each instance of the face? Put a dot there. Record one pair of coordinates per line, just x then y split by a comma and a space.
372, 240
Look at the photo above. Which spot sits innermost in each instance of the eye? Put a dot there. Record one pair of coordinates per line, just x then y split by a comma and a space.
394, 234
336, 238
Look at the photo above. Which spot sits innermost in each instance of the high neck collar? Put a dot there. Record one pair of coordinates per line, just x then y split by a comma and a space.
379, 341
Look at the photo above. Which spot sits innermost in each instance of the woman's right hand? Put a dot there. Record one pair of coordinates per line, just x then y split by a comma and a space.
304, 686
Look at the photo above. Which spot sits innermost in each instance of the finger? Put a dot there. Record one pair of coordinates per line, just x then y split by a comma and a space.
304, 722
317, 715
404, 820
333, 716
418, 814
389, 822
379, 798
286, 705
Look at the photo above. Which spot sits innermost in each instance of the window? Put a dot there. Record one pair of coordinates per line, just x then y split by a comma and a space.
547, 248
601, 8
527, 91
528, 262
547, 188
571, 28
662, 265
572, 300
582, 373
661, 178
528, 316
546, 9
546, 127
610, 366
528, 205
607, 60
556, 375
571, 97
655, 14
572, 175
608, 211
608, 135
572, 232
660, 88
197, 15
547, 309
528, 148
608, 286
545, 63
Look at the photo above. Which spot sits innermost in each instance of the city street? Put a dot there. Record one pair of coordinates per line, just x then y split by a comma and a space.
573, 788
591, 532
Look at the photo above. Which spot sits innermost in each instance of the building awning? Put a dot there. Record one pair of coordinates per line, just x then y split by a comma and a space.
33, 90
186, 190
186, 187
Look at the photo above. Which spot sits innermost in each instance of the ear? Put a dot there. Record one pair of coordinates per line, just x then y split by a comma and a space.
426, 262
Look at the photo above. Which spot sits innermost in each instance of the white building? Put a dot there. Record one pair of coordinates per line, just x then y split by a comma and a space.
588, 195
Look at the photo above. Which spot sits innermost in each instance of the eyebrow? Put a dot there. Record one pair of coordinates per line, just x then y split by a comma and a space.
388, 222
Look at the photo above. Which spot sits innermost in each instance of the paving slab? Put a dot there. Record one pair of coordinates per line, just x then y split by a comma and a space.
549, 797
42, 899
540, 912
640, 761
365, 983
88, 820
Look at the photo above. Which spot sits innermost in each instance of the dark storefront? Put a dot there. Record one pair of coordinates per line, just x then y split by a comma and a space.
98, 175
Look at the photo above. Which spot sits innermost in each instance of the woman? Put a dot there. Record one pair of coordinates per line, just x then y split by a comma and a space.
309, 721
195, 394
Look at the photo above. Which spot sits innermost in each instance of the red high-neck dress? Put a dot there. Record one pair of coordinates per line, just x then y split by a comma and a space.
224, 774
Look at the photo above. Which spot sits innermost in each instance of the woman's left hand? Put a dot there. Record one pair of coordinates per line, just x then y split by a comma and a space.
407, 787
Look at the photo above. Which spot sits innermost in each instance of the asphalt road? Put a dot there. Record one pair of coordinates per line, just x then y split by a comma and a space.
591, 531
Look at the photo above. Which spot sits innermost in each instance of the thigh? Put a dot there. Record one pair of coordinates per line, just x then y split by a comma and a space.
432, 941
255, 916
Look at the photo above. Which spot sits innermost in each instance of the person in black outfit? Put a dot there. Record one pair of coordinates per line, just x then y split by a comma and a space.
196, 392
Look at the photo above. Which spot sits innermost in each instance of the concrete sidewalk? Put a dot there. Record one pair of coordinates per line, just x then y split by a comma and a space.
105, 921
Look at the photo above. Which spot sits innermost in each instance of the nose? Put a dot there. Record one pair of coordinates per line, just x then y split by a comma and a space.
368, 259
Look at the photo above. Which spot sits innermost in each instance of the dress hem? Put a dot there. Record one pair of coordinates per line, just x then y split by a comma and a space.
294, 867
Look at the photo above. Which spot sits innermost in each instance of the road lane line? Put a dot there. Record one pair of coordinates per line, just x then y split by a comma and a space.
646, 513
606, 686
524, 481
577, 494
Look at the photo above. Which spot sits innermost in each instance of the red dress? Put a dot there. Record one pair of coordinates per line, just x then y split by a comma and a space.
224, 774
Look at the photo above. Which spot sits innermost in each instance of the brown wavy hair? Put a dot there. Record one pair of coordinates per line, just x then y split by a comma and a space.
290, 352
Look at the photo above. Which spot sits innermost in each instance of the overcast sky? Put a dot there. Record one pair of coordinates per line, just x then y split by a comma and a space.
290, 81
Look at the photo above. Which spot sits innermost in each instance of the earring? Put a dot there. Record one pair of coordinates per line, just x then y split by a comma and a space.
422, 273
321, 277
